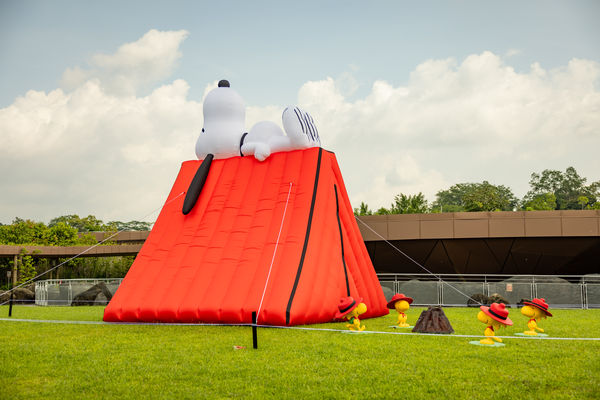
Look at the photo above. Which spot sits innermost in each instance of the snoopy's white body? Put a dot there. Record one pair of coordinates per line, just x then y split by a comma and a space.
224, 124
223, 132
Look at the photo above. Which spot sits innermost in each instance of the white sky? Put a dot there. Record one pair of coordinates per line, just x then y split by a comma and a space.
100, 102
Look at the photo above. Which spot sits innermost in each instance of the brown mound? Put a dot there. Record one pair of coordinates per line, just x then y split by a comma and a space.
88, 298
433, 320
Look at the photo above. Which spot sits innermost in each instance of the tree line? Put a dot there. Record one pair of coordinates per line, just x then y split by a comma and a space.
549, 190
66, 230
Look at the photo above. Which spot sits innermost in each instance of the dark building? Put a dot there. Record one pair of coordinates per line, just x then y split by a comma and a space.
523, 242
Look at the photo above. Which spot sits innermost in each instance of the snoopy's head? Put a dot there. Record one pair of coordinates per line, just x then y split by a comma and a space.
224, 123
223, 106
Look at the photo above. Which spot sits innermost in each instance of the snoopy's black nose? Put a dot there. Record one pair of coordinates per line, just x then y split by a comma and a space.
223, 83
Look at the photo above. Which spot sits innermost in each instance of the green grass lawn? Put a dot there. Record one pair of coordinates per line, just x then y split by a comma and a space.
41, 360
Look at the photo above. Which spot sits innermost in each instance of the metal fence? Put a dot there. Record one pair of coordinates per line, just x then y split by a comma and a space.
560, 291
60, 292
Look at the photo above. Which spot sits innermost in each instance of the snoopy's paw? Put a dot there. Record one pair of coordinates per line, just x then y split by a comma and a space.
248, 149
300, 127
261, 151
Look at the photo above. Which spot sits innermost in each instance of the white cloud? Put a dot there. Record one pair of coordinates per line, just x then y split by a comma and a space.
455, 122
512, 52
91, 150
134, 66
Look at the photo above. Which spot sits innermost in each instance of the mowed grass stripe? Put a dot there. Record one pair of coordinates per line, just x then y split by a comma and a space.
116, 361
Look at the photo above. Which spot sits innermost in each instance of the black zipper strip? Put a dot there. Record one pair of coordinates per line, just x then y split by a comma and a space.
337, 211
306, 237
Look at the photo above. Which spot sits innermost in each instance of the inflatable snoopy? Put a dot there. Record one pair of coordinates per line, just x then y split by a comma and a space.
224, 134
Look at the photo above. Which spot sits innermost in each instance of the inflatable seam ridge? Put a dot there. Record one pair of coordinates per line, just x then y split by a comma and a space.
201, 209
306, 238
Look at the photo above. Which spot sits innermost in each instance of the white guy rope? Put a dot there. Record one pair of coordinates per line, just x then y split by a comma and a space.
88, 249
274, 252
417, 263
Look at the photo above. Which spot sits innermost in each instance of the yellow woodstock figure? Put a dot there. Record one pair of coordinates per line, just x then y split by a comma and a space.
401, 303
350, 309
535, 310
494, 316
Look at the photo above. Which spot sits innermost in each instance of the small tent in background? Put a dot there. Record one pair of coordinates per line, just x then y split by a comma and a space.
278, 237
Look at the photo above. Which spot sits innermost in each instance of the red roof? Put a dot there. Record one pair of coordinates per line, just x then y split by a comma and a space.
278, 235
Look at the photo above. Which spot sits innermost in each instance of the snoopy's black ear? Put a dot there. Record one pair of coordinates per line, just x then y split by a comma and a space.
196, 185
223, 83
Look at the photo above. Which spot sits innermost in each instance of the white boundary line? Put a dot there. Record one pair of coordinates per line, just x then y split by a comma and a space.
291, 327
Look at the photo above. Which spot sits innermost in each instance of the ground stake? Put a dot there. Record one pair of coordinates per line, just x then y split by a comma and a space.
254, 337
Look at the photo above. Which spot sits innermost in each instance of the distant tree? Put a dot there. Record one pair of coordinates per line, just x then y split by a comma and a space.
93, 224
61, 234
567, 186
475, 197
453, 197
487, 197
26, 270
37, 233
383, 211
138, 225
439, 208
403, 204
22, 231
583, 201
363, 209
28, 232
411, 204
545, 201
87, 224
